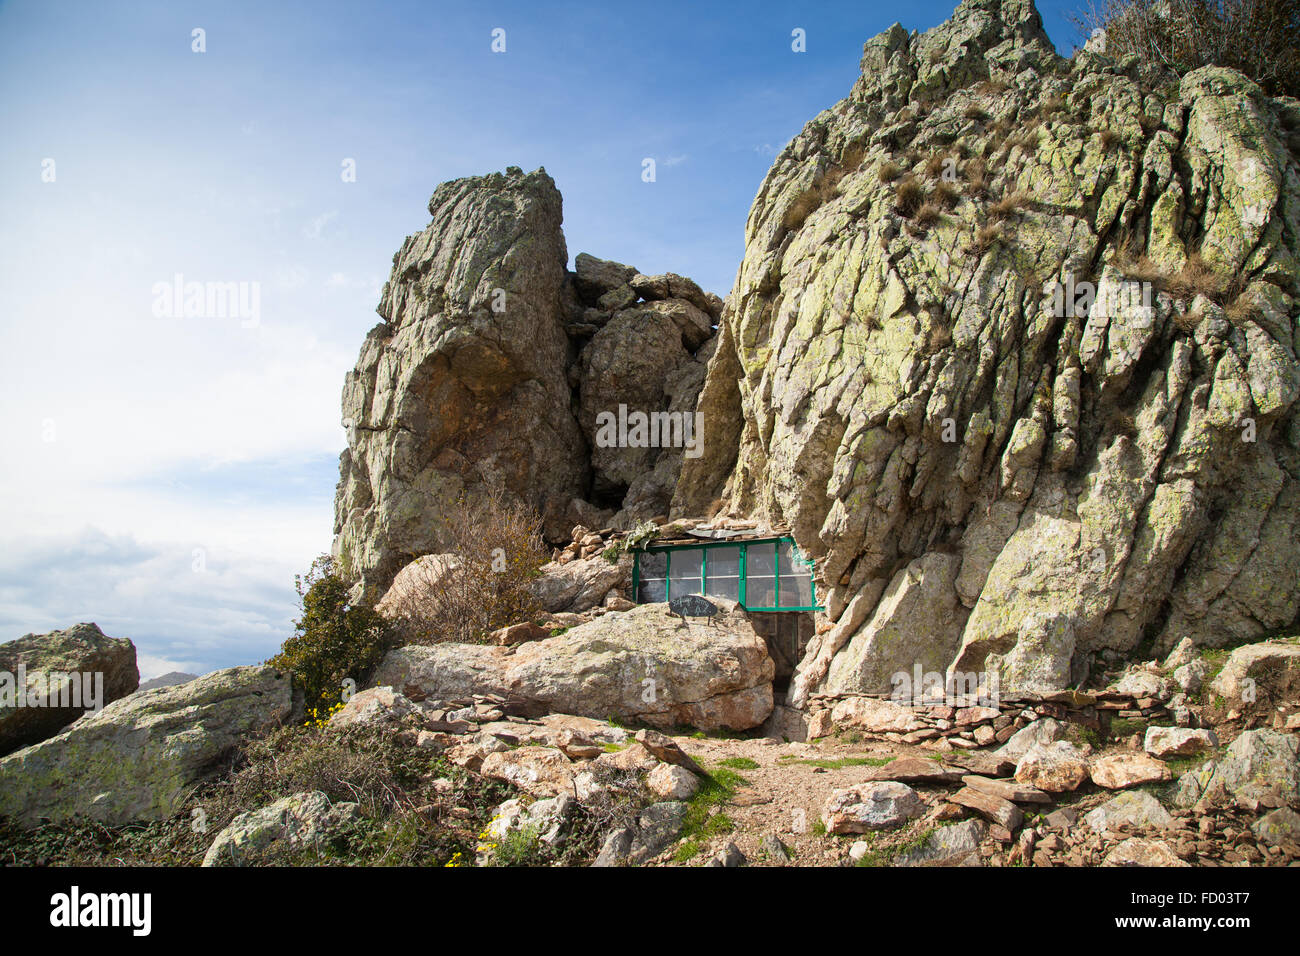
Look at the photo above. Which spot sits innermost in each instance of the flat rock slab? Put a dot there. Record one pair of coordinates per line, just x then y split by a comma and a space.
1002, 812
1007, 789
986, 765
914, 770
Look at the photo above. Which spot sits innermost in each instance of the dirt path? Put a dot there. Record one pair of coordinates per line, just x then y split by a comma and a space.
785, 792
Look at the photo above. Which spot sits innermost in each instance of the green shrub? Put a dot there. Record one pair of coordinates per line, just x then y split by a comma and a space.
333, 640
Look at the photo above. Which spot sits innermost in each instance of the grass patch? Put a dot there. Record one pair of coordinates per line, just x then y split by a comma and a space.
739, 763
703, 818
885, 854
1127, 726
838, 763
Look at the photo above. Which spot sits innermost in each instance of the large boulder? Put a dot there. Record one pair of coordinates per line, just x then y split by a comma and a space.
416, 579
642, 665
463, 385
915, 392
138, 757
1057, 767
49, 680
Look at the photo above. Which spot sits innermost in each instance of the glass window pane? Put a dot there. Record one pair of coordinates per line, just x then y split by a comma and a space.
792, 560
652, 592
760, 591
722, 572
724, 587
684, 572
760, 575
724, 562
653, 565
796, 591
759, 559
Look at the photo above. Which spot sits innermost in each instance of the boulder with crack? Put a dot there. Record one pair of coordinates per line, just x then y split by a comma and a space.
643, 665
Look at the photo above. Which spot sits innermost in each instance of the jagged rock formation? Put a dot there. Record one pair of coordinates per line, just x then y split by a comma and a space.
489, 370
992, 476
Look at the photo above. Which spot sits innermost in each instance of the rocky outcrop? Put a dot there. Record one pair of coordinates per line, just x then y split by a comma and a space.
642, 665
463, 384
490, 369
1013, 346
137, 758
49, 680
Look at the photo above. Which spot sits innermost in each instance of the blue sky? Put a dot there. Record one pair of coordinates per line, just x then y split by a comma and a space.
166, 476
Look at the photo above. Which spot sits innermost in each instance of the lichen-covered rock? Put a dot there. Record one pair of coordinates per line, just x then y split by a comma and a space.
464, 382
871, 806
1136, 851
79, 667
1118, 771
669, 782
489, 370
1133, 808
1259, 768
138, 757
1043, 731
642, 665
1168, 742
375, 707
1057, 767
946, 846
419, 577
930, 392
301, 822
1258, 677
1278, 826
580, 584
541, 771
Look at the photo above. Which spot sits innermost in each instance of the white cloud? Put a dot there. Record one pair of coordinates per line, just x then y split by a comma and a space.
314, 228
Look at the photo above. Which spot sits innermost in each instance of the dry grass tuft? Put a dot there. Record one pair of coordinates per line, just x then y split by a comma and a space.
945, 195
889, 171
1008, 206
909, 196
928, 216
988, 236
1050, 106
977, 177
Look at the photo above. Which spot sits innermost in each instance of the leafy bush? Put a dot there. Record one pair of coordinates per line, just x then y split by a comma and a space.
1256, 37
499, 551
334, 640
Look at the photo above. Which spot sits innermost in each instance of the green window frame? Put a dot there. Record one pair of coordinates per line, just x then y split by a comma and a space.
705, 547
